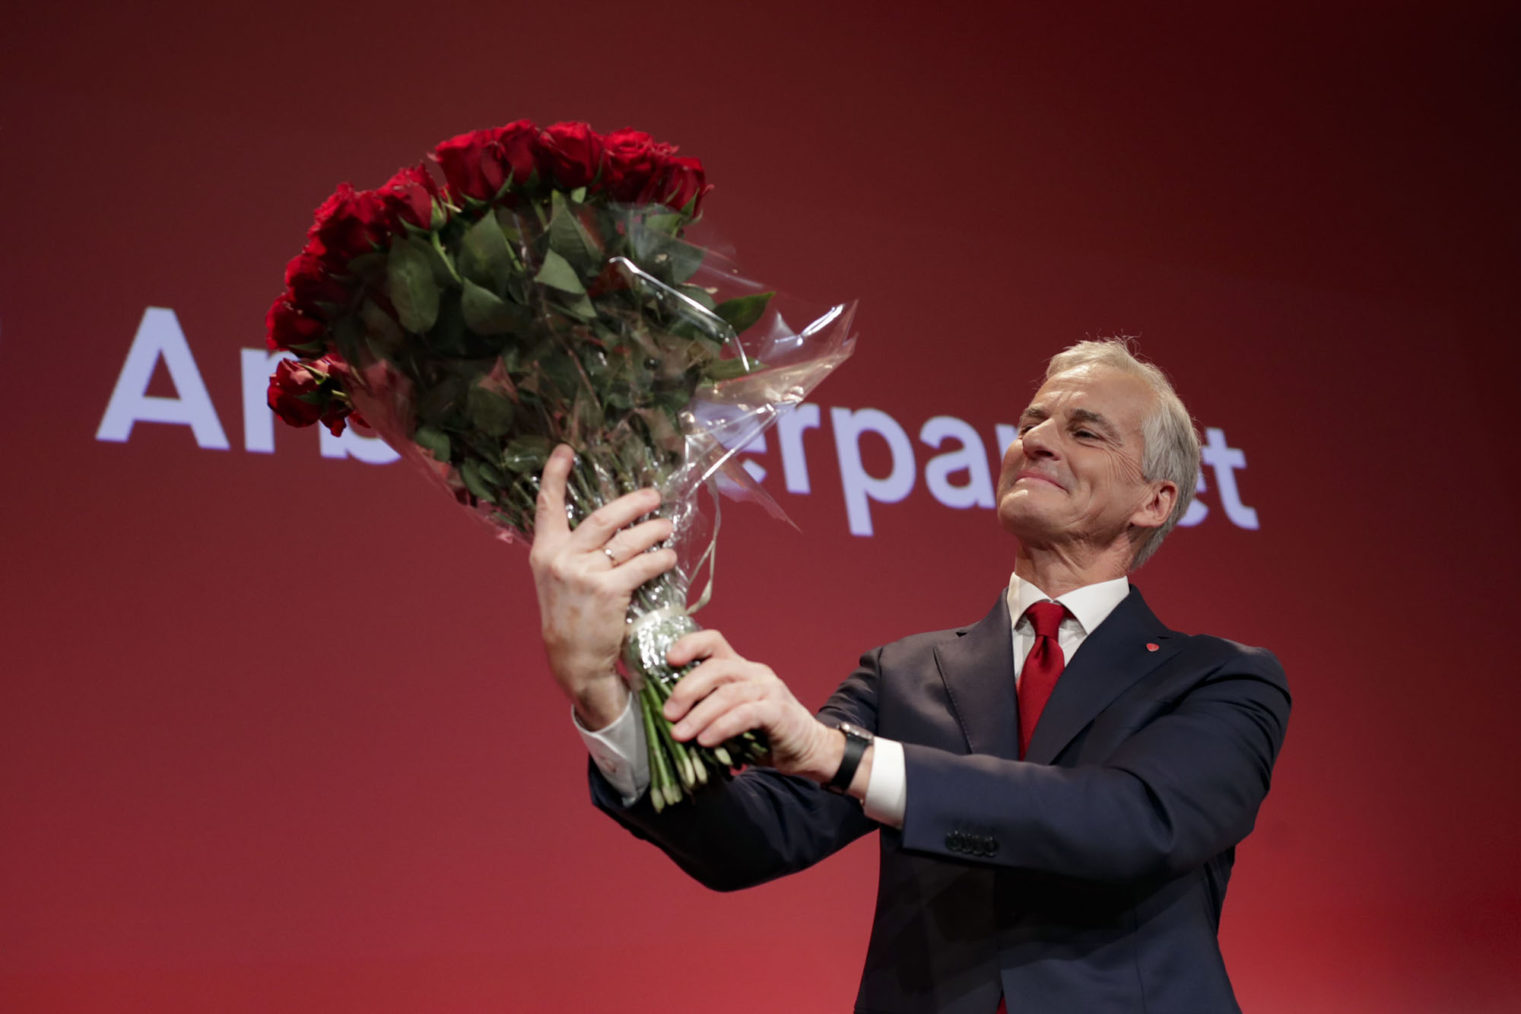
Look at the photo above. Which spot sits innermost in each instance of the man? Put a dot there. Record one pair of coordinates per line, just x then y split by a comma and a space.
1058, 789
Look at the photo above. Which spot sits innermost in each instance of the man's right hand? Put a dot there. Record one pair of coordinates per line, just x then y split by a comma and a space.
585, 578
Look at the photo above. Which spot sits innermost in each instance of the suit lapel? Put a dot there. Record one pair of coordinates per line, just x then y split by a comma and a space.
1110, 661
978, 671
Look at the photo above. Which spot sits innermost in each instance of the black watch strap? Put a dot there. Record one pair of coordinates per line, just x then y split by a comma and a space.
856, 742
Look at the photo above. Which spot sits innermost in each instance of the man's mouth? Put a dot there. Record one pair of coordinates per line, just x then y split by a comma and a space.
1037, 477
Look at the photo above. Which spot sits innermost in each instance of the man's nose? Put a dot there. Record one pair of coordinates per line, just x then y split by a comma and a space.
1039, 441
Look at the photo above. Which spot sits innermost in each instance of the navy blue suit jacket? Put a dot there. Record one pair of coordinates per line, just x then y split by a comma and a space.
1088, 877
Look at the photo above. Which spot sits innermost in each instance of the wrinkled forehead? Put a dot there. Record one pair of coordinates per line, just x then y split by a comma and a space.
1119, 396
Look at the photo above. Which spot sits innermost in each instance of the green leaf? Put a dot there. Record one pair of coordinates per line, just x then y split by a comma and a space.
444, 272
485, 313
526, 454
698, 295
470, 471
414, 293
489, 412
448, 334
381, 329
728, 369
569, 238
435, 440
644, 242
669, 224
438, 402
348, 333
743, 311
685, 259
578, 306
369, 266
557, 273
484, 256
508, 221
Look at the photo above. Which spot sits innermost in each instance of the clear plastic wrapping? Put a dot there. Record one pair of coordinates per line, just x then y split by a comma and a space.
475, 333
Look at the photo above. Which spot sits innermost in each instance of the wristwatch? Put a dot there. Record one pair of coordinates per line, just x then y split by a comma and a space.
856, 742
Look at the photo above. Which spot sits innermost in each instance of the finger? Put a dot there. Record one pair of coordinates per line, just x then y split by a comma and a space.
699, 644
702, 681
742, 718
549, 510
632, 573
745, 715
630, 542
714, 707
601, 523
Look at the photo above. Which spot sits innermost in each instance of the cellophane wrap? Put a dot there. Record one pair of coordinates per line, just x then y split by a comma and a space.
476, 343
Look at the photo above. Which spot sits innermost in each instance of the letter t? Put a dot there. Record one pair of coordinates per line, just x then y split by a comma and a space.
1224, 460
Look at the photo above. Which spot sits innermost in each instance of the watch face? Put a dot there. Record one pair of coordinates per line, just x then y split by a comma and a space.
856, 743
855, 733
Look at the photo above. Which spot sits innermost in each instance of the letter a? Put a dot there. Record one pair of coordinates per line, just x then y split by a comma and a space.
160, 335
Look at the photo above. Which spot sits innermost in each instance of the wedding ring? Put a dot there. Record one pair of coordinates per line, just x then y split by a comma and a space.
607, 550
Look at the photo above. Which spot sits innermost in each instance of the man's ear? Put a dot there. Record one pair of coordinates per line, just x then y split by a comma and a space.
1154, 511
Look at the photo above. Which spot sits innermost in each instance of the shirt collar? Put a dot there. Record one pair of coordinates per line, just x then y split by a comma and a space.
1089, 605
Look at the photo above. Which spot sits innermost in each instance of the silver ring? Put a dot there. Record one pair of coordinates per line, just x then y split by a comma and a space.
609, 554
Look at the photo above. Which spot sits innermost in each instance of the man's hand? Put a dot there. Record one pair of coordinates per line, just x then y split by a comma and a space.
585, 579
727, 695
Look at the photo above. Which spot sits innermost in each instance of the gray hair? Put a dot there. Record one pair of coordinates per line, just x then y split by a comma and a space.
1172, 443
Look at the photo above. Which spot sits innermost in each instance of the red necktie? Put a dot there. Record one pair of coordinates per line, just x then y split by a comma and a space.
1036, 681
1042, 666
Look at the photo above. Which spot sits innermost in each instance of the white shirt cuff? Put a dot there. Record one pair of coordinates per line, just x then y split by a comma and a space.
619, 752
887, 787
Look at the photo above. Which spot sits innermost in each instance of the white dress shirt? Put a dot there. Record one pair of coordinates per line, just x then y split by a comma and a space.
619, 749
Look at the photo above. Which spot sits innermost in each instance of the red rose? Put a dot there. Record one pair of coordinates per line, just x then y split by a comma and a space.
311, 286
335, 417
467, 169
294, 393
408, 197
632, 158
675, 183
570, 154
349, 223
336, 406
518, 145
477, 164
289, 328
303, 392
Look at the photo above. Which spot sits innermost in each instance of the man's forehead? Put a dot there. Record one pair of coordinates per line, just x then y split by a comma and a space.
1093, 390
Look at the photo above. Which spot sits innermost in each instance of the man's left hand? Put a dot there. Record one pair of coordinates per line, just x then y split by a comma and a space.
727, 695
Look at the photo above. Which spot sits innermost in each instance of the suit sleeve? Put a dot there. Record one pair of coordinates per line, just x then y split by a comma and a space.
1183, 786
760, 825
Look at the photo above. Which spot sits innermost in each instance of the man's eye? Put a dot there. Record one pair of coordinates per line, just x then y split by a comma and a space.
1086, 433
1025, 428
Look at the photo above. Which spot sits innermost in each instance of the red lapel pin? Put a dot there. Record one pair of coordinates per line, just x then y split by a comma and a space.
1150, 646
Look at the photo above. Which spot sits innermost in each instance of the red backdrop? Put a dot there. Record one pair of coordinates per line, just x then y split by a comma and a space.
275, 731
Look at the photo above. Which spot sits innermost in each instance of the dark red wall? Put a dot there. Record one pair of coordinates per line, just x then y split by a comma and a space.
275, 731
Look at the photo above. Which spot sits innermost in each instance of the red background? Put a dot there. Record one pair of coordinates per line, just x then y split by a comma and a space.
275, 732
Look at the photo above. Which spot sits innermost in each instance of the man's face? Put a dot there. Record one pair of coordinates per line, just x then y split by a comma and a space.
1074, 474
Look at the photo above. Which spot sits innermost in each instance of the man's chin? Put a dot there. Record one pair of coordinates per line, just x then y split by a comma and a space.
1024, 521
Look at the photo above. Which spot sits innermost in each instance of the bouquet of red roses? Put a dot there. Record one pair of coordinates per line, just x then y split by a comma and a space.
545, 293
